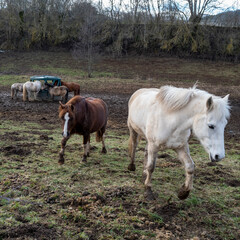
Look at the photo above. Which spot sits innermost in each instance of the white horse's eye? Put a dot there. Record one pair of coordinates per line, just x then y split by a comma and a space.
211, 126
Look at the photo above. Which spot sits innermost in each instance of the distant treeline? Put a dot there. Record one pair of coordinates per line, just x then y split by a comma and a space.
91, 30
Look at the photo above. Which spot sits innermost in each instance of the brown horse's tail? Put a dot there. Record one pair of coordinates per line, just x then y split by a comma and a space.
99, 136
24, 93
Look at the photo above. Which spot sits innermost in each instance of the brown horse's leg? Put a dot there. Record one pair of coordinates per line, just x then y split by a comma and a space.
184, 156
86, 139
61, 153
104, 150
88, 146
102, 137
132, 147
149, 168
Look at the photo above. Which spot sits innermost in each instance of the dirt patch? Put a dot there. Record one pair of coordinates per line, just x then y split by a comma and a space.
15, 150
233, 183
36, 231
11, 136
168, 211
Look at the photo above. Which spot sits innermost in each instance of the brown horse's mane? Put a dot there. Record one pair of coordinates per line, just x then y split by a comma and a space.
68, 106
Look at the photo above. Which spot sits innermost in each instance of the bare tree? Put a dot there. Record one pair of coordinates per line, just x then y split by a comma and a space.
198, 8
87, 47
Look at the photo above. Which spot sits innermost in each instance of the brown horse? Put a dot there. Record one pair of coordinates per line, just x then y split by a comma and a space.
72, 87
83, 116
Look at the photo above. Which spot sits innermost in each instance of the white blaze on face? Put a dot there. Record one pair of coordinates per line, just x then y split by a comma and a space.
66, 117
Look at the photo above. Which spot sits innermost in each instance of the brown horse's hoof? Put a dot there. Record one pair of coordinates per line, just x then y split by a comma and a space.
61, 159
148, 194
104, 150
183, 193
131, 167
84, 158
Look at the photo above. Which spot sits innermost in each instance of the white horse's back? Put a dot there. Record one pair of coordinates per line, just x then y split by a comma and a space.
141, 100
31, 87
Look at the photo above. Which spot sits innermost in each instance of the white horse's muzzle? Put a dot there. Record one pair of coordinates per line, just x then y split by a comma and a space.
216, 157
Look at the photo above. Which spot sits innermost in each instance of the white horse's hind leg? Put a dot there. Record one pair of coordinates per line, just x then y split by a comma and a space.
132, 147
145, 162
149, 162
184, 156
30, 96
35, 95
12, 93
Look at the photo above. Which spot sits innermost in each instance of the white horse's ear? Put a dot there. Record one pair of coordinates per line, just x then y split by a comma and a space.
226, 98
210, 104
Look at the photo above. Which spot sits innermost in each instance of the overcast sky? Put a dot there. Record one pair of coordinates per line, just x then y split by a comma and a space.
229, 3
226, 4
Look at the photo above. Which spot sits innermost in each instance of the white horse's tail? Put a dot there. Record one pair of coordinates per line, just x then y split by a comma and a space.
12, 92
24, 93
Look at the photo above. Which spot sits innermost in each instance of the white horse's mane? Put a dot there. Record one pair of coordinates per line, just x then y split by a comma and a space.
174, 98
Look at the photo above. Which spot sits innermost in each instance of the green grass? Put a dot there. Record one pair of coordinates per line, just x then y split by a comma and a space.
8, 80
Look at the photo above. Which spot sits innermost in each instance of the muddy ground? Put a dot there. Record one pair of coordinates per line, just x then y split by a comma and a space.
45, 113
116, 96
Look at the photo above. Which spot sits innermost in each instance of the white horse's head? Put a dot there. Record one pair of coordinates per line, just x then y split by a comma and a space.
209, 127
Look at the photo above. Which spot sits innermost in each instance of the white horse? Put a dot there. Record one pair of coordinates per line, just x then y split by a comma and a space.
165, 117
29, 88
15, 88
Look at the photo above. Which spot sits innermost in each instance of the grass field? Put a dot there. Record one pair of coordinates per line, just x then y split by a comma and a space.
101, 199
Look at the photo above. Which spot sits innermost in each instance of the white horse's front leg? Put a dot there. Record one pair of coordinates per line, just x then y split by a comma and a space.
34, 96
184, 156
151, 155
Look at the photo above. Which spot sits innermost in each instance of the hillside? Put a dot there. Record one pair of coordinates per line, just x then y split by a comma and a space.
225, 19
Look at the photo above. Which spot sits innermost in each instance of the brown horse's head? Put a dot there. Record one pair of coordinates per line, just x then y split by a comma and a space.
67, 114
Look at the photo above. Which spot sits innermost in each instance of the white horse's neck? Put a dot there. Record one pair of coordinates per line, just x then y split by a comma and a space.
194, 108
